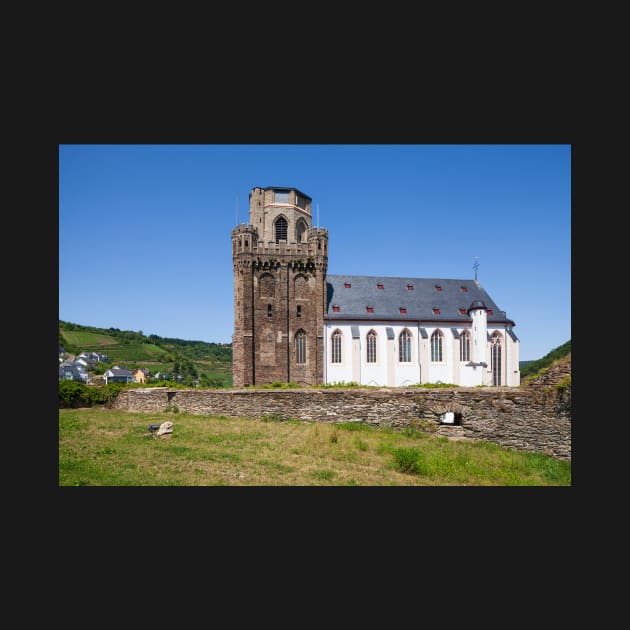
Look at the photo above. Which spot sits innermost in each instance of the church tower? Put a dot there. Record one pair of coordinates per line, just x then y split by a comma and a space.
280, 262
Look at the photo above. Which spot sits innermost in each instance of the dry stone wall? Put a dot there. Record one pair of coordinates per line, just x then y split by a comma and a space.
526, 418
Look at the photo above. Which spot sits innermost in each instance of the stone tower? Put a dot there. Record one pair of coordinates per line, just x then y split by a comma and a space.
280, 262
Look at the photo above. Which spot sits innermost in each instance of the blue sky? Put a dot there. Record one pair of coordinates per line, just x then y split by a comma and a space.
144, 230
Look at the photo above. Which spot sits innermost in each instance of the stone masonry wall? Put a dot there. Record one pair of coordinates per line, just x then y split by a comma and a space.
526, 418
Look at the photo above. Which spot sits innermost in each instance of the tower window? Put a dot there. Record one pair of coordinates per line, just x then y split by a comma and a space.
281, 229
269, 311
281, 197
299, 311
300, 231
335, 347
300, 347
436, 347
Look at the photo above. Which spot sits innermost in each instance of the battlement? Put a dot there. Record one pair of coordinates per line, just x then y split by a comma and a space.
317, 232
245, 240
244, 228
309, 249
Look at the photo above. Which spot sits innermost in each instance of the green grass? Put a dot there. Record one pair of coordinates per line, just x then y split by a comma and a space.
121, 353
100, 447
80, 338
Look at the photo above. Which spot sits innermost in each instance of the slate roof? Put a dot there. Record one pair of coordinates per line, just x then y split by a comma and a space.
419, 302
73, 364
118, 371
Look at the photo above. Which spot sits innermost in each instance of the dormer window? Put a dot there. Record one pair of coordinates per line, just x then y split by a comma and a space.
369, 309
490, 311
463, 289
438, 287
347, 285
436, 311
462, 311
410, 287
379, 285
335, 308
403, 310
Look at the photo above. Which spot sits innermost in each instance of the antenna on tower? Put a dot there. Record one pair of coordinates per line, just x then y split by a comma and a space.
236, 209
318, 216
476, 266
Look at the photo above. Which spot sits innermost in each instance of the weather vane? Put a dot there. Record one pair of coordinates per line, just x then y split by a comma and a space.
476, 266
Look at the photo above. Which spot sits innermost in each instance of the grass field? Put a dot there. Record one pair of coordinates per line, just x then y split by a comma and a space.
80, 338
121, 353
100, 447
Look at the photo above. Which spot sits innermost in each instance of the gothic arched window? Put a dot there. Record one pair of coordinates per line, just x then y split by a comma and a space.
300, 347
404, 346
464, 346
281, 229
335, 347
436, 347
371, 347
495, 358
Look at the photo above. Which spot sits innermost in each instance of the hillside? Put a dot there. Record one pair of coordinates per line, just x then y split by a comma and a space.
209, 363
532, 367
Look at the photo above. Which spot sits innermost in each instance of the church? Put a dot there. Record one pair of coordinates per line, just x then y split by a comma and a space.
295, 323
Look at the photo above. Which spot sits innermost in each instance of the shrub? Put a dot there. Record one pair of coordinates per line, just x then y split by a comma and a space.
272, 417
340, 384
564, 383
438, 384
410, 460
74, 394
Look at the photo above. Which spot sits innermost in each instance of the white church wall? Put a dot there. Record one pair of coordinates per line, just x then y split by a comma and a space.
338, 372
375, 373
440, 371
389, 371
470, 376
515, 373
406, 373
511, 358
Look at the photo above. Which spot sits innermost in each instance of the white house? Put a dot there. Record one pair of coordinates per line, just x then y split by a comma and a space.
402, 331
117, 375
